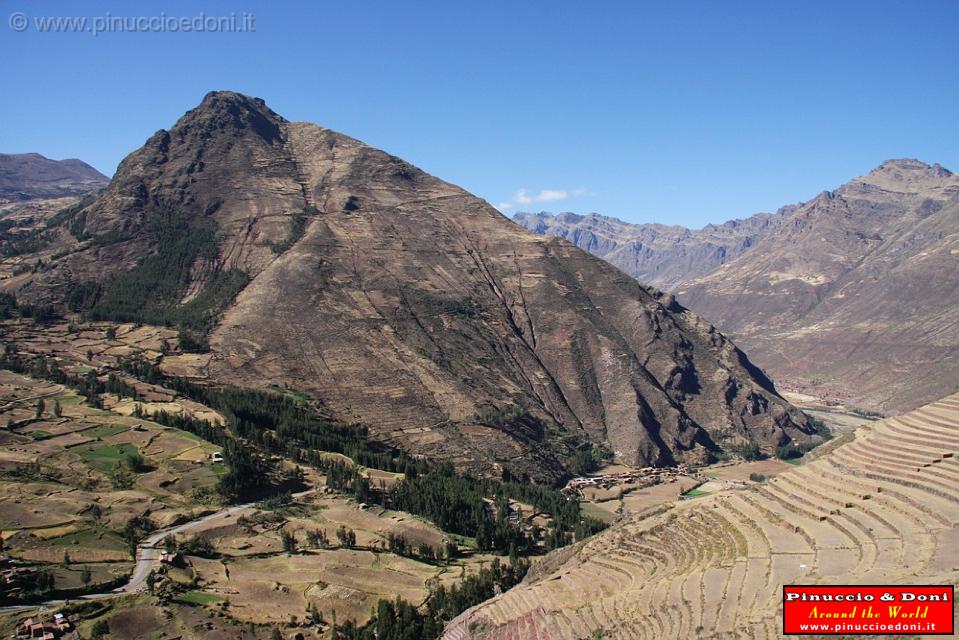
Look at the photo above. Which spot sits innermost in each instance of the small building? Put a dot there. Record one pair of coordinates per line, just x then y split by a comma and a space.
216, 456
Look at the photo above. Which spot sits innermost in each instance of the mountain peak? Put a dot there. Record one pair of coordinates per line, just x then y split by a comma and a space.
232, 99
902, 175
224, 111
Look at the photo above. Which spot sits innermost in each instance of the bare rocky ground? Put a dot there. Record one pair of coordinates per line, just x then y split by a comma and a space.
880, 509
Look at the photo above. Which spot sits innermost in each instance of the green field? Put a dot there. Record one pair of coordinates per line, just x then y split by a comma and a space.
292, 393
104, 430
198, 597
105, 457
695, 493
96, 538
69, 399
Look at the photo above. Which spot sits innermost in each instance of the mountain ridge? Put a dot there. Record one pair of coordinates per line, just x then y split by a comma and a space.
403, 302
816, 296
29, 176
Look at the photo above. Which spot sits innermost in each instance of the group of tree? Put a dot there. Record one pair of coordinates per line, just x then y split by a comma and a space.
281, 425
88, 385
151, 292
475, 507
400, 620
10, 308
135, 530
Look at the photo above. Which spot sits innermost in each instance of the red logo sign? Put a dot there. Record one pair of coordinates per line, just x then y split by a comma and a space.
868, 610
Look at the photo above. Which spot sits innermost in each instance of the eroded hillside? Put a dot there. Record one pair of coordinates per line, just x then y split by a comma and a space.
851, 295
855, 296
318, 263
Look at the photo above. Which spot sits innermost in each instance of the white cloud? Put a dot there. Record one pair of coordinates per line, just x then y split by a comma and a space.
524, 197
548, 195
545, 195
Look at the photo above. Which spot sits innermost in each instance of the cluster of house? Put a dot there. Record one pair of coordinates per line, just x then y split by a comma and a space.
646, 475
12, 577
57, 628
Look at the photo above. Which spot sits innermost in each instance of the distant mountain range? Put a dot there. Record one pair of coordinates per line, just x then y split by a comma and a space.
28, 176
656, 254
852, 295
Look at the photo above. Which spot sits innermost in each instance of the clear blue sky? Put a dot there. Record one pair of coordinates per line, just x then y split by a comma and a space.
677, 112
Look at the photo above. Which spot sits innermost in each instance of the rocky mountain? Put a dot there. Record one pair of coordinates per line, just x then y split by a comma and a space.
397, 300
856, 294
660, 255
28, 176
852, 295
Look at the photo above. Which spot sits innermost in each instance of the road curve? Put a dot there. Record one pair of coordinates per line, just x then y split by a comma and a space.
148, 556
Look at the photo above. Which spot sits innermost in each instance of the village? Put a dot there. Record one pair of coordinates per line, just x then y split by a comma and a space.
56, 627
644, 477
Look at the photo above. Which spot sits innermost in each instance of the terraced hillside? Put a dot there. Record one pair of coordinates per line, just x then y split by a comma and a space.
881, 509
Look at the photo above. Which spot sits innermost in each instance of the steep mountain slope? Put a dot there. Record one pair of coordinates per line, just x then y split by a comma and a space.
25, 176
660, 255
879, 510
852, 295
397, 300
856, 293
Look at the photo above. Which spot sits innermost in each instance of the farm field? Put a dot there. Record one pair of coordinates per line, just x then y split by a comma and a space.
74, 476
66, 496
251, 563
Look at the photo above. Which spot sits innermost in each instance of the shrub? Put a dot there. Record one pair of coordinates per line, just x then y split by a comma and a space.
100, 629
748, 451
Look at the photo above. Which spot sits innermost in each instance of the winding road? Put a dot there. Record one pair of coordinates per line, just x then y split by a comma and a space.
148, 556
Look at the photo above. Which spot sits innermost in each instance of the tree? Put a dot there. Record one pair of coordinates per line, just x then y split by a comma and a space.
248, 472
347, 537
41, 405
120, 477
289, 541
317, 538
136, 462
57, 410
315, 617
100, 628
86, 576
151, 581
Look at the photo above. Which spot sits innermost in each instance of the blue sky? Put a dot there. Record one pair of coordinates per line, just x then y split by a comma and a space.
676, 112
